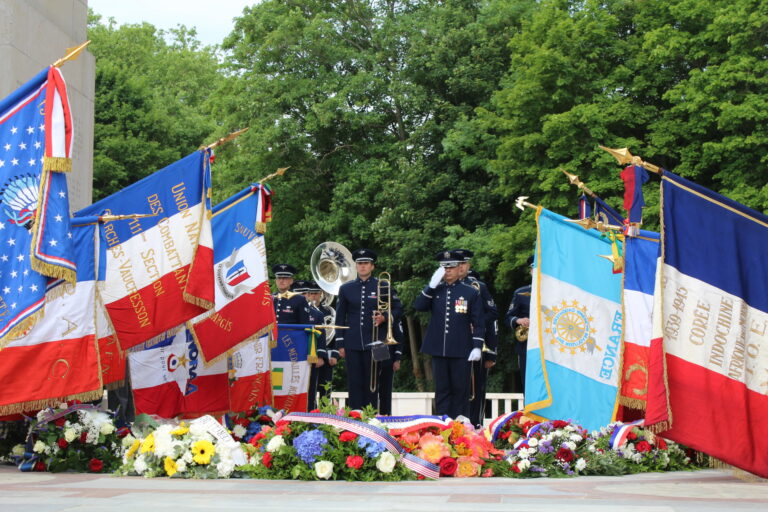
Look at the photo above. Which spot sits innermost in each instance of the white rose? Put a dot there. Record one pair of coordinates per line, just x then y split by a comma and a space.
225, 468
239, 431
18, 450
524, 464
570, 445
128, 441
39, 447
70, 435
386, 462
275, 443
569, 428
187, 457
197, 431
533, 442
181, 466
324, 469
107, 428
139, 464
581, 464
575, 438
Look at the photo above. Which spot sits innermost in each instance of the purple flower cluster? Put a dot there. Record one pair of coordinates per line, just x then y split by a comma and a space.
310, 445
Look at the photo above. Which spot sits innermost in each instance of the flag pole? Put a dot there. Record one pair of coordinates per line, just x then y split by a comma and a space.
225, 139
110, 218
71, 54
522, 203
574, 180
599, 225
624, 157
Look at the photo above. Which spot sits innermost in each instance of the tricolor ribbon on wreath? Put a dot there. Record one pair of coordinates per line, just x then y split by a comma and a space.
420, 466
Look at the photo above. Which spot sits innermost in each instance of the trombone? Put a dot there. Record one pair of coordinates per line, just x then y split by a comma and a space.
380, 349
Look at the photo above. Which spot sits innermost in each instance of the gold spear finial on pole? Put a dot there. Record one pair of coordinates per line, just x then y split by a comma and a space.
278, 172
625, 157
110, 218
225, 139
71, 54
599, 225
574, 180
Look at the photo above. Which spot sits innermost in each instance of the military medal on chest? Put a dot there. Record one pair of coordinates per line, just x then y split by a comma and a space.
460, 306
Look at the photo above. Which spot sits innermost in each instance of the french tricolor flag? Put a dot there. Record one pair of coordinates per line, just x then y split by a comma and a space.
158, 270
710, 343
244, 308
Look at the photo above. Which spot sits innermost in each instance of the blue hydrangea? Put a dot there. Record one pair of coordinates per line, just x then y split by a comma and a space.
310, 445
372, 448
253, 429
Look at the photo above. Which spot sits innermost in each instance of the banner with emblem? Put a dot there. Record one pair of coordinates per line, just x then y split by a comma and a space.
35, 239
709, 383
249, 376
641, 255
57, 359
290, 369
574, 343
169, 379
158, 269
243, 300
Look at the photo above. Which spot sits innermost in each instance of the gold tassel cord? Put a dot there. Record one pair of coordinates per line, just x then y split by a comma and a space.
57, 164
36, 405
224, 139
71, 54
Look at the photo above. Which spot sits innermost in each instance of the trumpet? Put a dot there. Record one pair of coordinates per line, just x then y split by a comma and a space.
521, 333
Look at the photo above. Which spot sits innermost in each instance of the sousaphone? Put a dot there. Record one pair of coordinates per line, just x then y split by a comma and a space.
332, 265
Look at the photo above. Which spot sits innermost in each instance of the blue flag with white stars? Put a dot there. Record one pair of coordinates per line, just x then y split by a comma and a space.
35, 239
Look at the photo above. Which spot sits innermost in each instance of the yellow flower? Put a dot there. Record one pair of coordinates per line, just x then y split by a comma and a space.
181, 430
202, 451
132, 450
170, 466
149, 444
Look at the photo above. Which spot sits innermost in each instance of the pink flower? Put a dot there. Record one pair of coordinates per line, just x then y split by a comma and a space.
432, 448
467, 468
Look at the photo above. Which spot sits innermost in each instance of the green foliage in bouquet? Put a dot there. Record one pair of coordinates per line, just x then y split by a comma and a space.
305, 451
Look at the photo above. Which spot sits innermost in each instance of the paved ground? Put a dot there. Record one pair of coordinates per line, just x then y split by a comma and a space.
710, 490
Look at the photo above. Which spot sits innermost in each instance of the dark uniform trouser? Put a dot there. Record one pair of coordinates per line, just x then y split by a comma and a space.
521, 360
451, 376
120, 400
386, 378
359, 379
476, 408
324, 379
312, 392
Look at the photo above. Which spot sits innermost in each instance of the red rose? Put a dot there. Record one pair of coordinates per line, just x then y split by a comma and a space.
83, 437
347, 436
315, 410
39, 466
355, 461
62, 443
516, 468
631, 436
505, 435
282, 429
96, 465
661, 444
559, 424
448, 466
643, 446
266, 459
60, 421
564, 454
420, 477
281, 423
355, 414
243, 422
487, 473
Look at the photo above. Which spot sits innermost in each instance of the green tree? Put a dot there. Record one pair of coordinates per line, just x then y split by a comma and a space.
151, 100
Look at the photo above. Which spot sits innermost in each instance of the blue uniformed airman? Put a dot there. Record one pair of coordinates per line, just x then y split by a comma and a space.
455, 334
518, 319
357, 308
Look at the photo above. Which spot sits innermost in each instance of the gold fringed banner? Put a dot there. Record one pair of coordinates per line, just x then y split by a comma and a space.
151, 342
261, 227
36, 405
261, 332
57, 164
197, 301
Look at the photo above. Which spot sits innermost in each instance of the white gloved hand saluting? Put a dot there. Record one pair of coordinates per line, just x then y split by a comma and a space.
437, 277
475, 355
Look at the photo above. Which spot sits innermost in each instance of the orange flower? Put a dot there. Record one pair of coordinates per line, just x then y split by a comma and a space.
467, 468
457, 430
432, 448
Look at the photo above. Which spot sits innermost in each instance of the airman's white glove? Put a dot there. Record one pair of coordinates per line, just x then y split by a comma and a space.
475, 355
437, 277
